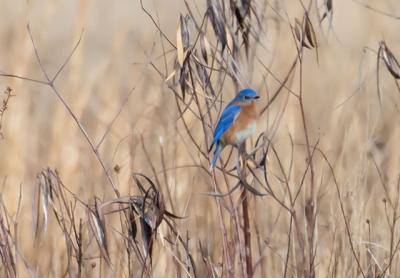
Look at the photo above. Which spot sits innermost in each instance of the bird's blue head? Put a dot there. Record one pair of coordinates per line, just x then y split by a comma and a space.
246, 96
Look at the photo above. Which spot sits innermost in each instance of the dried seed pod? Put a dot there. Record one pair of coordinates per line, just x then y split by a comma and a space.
217, 21
328, 9
305, 34
310, 33
245, 7
390, 60
184, 75
182, 39
147, 235
132, 223
204, 47
238, 15
298, 31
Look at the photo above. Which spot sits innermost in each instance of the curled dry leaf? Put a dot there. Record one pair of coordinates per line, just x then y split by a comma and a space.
390, 60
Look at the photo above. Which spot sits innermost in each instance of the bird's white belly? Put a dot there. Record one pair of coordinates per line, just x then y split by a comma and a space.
243, 134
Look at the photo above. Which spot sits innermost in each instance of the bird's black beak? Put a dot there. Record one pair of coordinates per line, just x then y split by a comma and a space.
256, 97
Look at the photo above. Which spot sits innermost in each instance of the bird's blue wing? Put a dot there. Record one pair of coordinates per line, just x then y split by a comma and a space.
228, 116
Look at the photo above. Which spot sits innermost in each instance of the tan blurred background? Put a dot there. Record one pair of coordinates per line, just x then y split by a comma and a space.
119, 41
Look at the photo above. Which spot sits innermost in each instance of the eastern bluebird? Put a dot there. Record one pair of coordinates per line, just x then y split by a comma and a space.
238, 122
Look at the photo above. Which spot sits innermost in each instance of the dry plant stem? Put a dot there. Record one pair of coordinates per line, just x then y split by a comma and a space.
310, 209
239, 235
223, 231
16, 227
245, 210
343, 212
50, 82
288, 246
247, 234
310, 206
377, 11
124, 102
4, 107
283, 85
233, 210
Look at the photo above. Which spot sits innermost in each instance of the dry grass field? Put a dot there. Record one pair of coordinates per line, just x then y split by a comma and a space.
104, 166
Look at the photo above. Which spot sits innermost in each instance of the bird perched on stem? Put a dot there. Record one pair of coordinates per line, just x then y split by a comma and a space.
237, 123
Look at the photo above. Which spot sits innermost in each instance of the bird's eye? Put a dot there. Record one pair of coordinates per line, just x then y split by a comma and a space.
246, 97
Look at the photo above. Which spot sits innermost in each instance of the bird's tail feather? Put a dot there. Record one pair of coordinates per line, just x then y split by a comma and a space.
217, 153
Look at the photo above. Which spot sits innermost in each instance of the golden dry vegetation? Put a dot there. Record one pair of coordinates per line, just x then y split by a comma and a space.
331, 173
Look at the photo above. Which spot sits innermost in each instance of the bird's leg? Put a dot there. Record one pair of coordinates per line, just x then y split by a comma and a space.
250, 156
241, 162
241, 172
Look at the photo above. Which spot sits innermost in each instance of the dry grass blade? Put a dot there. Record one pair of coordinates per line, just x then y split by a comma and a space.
390, 60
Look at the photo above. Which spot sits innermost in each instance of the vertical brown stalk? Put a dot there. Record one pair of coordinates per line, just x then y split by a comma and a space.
246, 219
247, 234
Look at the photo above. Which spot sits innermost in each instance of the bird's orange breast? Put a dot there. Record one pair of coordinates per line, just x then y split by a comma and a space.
243, 126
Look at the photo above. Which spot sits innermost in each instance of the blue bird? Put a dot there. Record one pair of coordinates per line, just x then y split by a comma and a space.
238, 122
